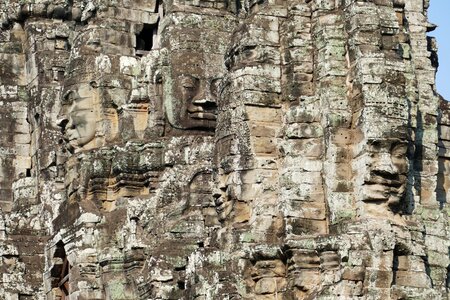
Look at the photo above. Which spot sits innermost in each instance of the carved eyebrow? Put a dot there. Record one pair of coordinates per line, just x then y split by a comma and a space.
187, 76
374, 143
238, 50
399, 146
80, 98
71, 96
189, 80
242, 48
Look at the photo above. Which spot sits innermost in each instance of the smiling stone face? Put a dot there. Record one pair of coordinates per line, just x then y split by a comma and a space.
226, 195
79, 115
388, 168
190, 94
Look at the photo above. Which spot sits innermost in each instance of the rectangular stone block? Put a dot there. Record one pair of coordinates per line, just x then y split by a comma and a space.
263, 114
130, 15
307, 279
412, 279
270, 285
356, 273
270, 268
22, 162
306, 210
439, 244
263, 98
309, 148
264, 146
299, 226
22, 138
411, 263
378, 279
259, 176
258, 129
444, 132
348, 288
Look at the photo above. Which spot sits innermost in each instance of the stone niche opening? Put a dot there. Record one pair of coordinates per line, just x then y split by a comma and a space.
60, 273
147, 39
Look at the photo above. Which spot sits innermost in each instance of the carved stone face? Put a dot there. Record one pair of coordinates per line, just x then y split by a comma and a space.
80, 113
224, 204
388, 168
225, 196
190, 94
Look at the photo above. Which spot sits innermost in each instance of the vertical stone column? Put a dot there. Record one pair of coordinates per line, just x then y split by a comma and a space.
332, 74
250, 121
17, 184
99, 75
15, 156
302, 190
437, 224
415, 18
20, 189
428, 135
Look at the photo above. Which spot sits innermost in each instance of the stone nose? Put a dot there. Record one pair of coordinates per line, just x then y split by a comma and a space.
63, 120
205, 94
384, 165
207, 104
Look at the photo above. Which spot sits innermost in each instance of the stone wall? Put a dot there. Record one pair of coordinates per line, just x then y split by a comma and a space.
218, 149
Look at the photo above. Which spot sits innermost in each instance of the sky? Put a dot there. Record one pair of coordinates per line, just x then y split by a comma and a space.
438, 13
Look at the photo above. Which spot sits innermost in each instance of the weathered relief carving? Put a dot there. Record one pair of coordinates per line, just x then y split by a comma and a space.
388, 167
221, 149
190, 96
80, 114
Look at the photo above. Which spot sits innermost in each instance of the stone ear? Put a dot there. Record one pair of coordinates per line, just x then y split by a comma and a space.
164, 57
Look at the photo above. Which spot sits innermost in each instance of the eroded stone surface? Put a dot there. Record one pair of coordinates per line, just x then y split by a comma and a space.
218, 149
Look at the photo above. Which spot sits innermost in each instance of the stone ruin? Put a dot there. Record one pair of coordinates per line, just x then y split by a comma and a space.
218, 149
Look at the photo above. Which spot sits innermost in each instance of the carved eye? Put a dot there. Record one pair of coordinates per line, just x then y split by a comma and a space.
399, 150
249, 52
375, 145
189, 83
